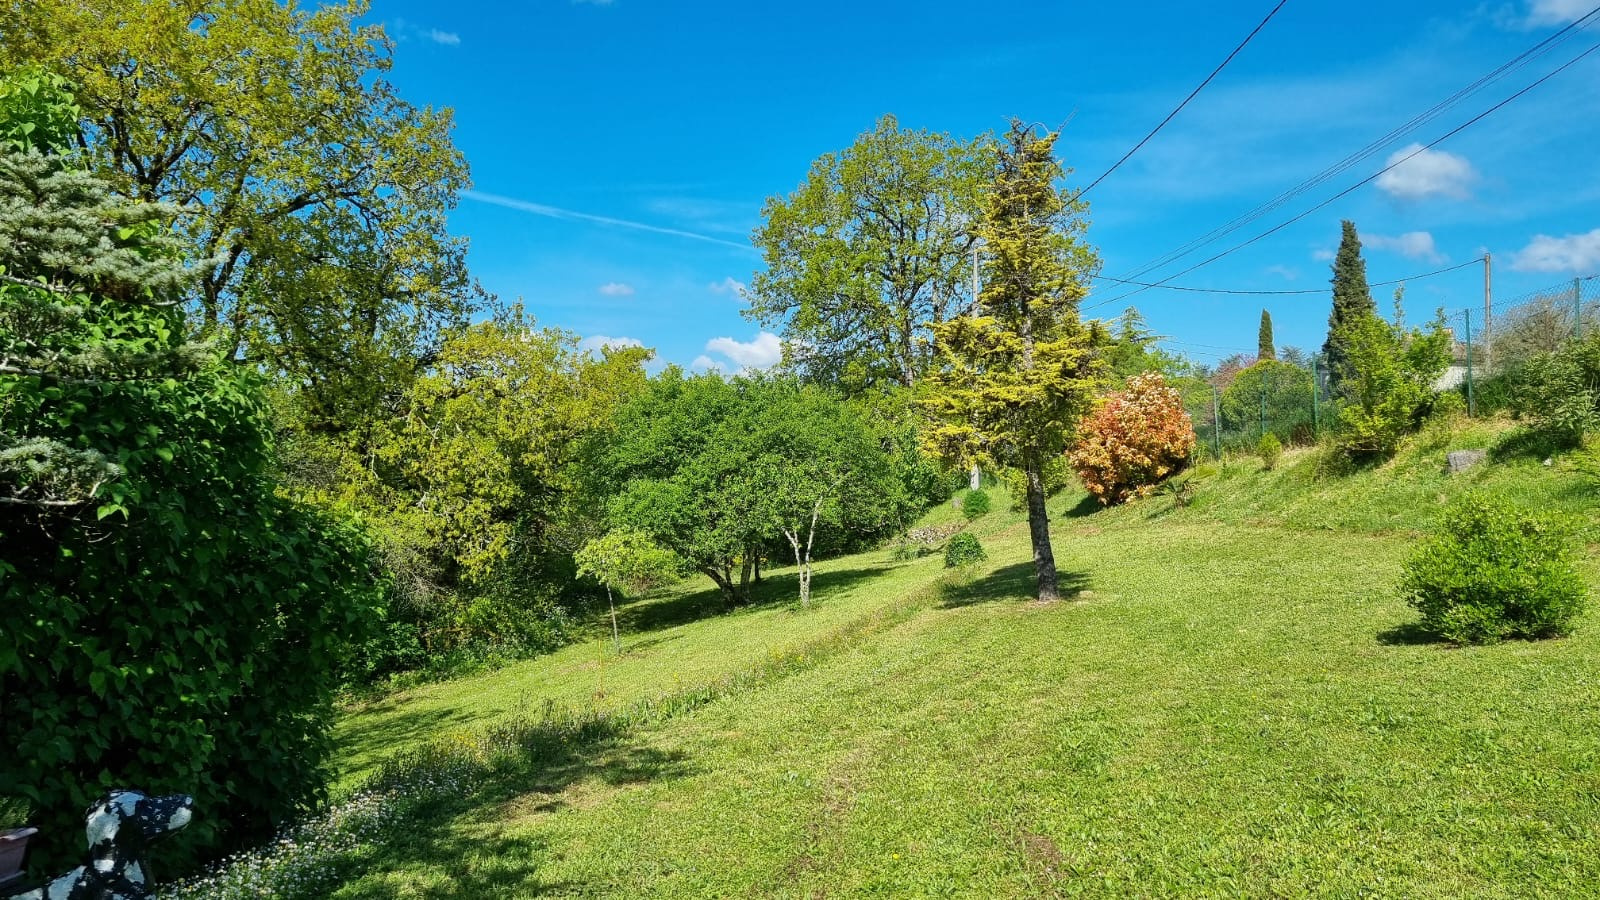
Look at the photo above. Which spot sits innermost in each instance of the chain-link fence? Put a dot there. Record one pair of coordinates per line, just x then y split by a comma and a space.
1488, 354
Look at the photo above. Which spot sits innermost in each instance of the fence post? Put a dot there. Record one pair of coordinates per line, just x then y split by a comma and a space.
1577, 308
1316, 425
1216, 424
1471, 406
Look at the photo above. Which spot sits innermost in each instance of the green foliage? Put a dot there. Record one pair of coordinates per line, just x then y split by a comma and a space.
1283, 390
38, 111
314, 198
473, 492
627, 560
1559, 392
1389, 380
716, 470
1270, 450
1133, 351
1266, 349
964, 551
974, 504
173, 623
871, 253
1352, 306
1493, 571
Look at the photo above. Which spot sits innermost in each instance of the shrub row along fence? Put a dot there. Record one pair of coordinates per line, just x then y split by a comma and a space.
1490, 354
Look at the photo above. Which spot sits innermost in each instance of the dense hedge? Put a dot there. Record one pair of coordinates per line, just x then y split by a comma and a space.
189, 644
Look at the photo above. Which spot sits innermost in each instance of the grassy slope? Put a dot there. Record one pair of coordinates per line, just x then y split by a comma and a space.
1227, 707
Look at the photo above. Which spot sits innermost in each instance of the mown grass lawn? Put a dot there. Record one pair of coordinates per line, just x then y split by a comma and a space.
1221, 710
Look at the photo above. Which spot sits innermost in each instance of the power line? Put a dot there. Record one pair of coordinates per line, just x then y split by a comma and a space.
1370, 178
1180, 106
1198, 290
1521, 60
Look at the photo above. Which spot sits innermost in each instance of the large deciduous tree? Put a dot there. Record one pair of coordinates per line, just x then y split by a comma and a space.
1352, 305
314, 194
1013, 381
871, 253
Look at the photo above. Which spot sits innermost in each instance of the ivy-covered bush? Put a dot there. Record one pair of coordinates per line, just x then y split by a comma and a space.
1493, 572
974, 504
1132, 440
963, 551
169, 622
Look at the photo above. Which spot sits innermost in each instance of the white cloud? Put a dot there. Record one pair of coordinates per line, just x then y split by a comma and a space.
705, 363
1427, 173
403, 31
729, 285
1287, 273
1322, 255
616, 289
1543, 13
1412, 245
1573, 253
764, 352
606, 342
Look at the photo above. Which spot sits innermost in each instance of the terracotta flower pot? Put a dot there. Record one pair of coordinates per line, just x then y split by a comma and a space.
13, 847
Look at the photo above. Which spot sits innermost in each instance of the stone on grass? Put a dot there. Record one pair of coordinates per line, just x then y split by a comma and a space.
1462, 460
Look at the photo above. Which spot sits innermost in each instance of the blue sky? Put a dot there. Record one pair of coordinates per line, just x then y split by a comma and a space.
621, 149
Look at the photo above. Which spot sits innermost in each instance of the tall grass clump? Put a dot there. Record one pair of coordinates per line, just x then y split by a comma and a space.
1494, 572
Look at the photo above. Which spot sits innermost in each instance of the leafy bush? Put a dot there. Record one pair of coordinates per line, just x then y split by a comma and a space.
974, 504
963, 551
1388, 389
1494, 572
1559, 392
1132, 440
1285, 389
1270, 449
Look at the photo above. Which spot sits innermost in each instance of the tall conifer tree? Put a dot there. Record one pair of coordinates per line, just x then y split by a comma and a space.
1012, 382
1352, 302
1266, 348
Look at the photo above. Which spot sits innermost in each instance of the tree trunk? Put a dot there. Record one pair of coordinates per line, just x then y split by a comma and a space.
616, 638
802, 564
744, 576
1044, 559
758, 568
724, 584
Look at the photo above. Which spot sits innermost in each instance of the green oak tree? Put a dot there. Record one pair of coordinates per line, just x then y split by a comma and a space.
870, 253
312, 194
1013, 381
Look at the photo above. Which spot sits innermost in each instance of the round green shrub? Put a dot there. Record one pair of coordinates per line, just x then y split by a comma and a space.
963, 551
1270, 449
1494, 571
974, 504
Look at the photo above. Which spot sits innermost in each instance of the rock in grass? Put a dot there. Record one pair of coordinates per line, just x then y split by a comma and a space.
1462, 460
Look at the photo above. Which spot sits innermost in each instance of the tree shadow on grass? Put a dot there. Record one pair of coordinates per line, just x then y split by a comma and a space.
1088, 506
669, 612
1015, 582
372, 733
482, 843
1411, 634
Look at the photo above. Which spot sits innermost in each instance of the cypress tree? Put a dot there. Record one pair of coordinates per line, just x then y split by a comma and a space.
1352, 301
1264, 338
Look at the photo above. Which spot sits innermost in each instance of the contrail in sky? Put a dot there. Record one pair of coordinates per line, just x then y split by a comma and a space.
555, 212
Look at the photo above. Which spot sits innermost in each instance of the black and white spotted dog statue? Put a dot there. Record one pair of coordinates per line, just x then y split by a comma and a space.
120, 825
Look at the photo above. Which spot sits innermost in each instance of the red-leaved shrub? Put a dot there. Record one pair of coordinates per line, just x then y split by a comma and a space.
1132, 440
